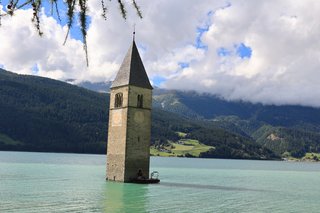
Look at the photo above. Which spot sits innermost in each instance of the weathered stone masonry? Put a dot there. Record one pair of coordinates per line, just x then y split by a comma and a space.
129, 121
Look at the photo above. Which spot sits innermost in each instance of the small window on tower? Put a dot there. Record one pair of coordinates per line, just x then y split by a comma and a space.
118, 100
140, 101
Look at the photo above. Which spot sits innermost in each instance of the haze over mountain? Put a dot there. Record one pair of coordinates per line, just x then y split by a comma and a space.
280, 128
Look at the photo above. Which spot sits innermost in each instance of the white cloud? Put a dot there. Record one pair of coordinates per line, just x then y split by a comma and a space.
284, 66
22, 48
283, 35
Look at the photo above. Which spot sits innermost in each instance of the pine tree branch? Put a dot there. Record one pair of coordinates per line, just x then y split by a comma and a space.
71, 5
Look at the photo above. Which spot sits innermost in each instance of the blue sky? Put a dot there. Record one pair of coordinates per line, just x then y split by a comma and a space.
240, 50
50, 10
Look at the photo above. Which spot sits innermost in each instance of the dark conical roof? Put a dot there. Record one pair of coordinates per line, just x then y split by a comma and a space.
132, 71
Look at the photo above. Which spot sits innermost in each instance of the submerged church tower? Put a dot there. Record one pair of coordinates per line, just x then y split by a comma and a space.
129, 135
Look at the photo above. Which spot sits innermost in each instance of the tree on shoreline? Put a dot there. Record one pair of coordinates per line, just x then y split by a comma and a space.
73, 8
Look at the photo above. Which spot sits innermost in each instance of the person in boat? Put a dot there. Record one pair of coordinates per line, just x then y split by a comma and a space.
140, 175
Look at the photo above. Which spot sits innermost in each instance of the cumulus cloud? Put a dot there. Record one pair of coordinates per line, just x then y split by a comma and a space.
190, 45
284, 64
165, 36
22, 49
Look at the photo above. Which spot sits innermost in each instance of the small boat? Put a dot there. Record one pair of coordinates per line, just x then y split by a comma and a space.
145, 181
142, 180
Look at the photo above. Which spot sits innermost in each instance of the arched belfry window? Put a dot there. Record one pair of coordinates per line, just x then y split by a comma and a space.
140, 101
118, 100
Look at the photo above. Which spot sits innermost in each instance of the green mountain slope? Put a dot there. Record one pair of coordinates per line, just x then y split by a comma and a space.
297, 127
48, 115
40, 114
210, 106
282, 140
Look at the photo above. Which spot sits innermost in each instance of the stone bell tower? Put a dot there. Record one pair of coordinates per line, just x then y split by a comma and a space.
129, 132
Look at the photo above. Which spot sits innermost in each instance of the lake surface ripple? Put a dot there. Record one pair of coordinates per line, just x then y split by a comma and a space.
51, 182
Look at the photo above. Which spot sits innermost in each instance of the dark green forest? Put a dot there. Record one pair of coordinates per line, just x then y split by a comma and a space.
41, 114
48, 115
286, 130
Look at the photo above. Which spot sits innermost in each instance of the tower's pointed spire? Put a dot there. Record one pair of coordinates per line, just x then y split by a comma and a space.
132, 71
134, 31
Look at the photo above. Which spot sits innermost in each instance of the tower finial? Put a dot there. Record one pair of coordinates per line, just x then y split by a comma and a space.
134, 31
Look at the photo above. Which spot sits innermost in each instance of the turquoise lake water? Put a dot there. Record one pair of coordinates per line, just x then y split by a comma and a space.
50, 182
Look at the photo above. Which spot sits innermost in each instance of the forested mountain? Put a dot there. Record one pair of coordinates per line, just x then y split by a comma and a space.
209, 107
283, 129
292, 130
47, 115
40, 114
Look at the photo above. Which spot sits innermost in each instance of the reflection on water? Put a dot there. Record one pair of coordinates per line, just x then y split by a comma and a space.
210, 187
124, 197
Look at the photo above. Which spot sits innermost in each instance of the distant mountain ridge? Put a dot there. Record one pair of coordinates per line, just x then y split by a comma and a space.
286, 128
41, 114
103, 87
293, 129
207, 106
